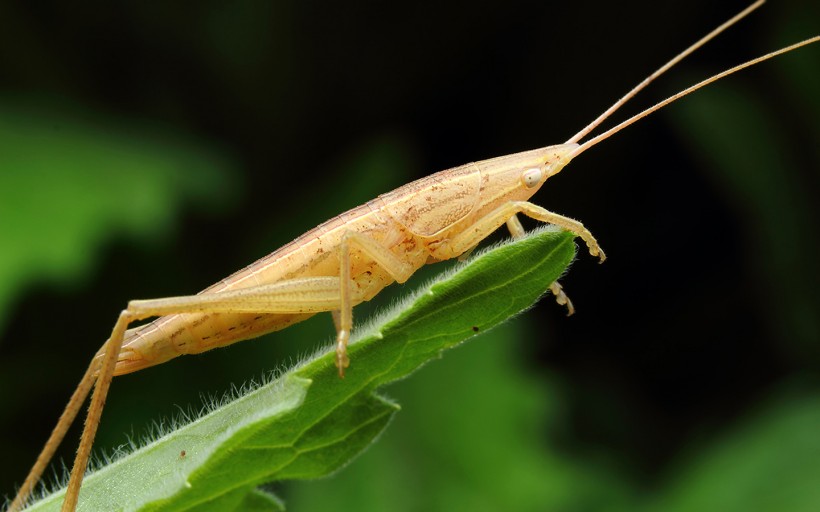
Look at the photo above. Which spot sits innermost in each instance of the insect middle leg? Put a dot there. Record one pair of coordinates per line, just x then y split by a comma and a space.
399, 270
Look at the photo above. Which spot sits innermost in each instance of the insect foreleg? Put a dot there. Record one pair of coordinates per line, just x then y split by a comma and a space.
492, 221
515, 228
517, 231
561, 297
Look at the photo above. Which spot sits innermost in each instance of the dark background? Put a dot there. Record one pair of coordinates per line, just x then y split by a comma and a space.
194, 138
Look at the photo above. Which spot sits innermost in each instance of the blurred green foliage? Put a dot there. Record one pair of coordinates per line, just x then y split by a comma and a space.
70, 180
778, 204
768, 463
688, 378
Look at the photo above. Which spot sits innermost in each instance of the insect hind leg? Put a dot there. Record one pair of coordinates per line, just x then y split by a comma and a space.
67, 418
111, 349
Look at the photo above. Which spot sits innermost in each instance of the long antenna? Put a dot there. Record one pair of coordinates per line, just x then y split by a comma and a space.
595, 140
705, 39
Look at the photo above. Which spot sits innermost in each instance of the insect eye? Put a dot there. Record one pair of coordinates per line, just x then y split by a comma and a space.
532, 177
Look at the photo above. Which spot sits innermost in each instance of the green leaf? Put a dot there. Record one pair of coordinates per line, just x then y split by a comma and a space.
308, 423
257, 501
498, 449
